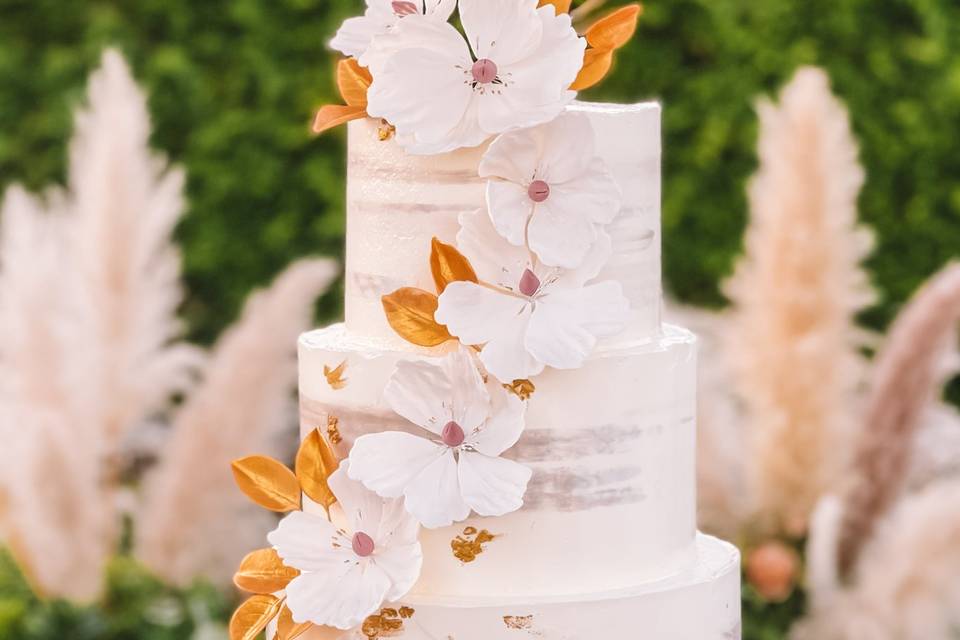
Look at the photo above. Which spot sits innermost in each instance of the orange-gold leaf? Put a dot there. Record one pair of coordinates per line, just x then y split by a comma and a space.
287, 629
616, 29
334, 375
449, 265
253, 616
562, 6
315, 462
596, 65
267, 482
353, 82
334, 115
410, 312
263, 572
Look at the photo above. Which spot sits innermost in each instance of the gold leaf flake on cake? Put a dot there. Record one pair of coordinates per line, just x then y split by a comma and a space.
467, 546
385, 131
518, 622
523, 389
335, 376
388, 623
333, 430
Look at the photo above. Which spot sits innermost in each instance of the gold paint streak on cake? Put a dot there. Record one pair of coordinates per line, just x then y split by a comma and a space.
335, 376
333, 430
386, 624
518, 622
467, 546
523, 389
385, 131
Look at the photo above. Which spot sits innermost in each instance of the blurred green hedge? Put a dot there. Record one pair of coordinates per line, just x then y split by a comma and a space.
233, 84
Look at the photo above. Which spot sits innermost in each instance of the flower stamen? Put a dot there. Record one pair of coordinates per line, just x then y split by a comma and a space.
452, 434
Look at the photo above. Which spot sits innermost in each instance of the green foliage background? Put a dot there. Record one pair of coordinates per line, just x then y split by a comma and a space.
233, 84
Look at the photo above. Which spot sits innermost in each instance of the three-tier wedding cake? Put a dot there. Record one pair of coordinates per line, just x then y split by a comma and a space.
508, 429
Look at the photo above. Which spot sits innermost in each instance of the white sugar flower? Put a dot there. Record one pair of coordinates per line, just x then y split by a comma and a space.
348, 572
443, 92
525, 314
355, 35
547, 189
457, 466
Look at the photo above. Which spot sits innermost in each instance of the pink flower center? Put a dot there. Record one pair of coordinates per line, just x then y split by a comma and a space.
484, 71
405, 8
538, 191
529, 283
452, 434
363, 544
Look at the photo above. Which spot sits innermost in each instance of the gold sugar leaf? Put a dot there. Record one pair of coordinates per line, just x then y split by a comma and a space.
410, 312
596, 65
335, 376
263, 572
353, 81
615, 30
334, 115
448, 265
316, 460
253, 616
267, 482
523, 389
562, 6
287, 629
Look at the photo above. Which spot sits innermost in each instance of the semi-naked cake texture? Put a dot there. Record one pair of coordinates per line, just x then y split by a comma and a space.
605, 544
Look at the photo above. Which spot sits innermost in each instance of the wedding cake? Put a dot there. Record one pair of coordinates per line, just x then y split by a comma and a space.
503, 428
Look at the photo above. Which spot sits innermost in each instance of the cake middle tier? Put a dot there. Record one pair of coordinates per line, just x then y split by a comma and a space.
611, 503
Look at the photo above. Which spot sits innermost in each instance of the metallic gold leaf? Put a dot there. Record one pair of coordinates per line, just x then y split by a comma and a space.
353, 82
263, 572
523, 389
253, 616
287, 629
615, 30
596, 65
334, 115
562, 6
410, 312
333, 430
335, 376
315, 462
448, 265
267, 482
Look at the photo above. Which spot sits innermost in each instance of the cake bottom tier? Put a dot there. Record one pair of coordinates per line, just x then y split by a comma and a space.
702, 603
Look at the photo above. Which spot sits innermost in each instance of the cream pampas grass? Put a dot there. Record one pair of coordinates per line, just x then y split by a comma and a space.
792, 342
906, 380
194, 522
905, 584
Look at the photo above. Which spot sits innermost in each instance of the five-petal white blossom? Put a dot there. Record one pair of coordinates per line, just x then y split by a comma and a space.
381, 16
348, 571
547, 189
524, 313
457, 467
443, 92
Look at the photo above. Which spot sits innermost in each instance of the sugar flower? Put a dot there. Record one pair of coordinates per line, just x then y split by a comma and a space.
355, 35
348, 572
456, 467
547, 189
525, 314
443, 92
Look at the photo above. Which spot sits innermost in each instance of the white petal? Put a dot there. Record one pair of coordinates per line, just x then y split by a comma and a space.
387, 462
526, 103
569, 144
504, 427
510, 207
593, 192
513, 156
433, 497
363, 508
341, 599
495, 260
478, 314
420, 391
506, 355
566, 323
503, 30
402, 564
415, 32
441, 9
492, 486
593, 263
355, 35
469, 399
304, 541
560, 234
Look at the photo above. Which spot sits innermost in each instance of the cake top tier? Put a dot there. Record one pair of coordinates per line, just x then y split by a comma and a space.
398, 202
